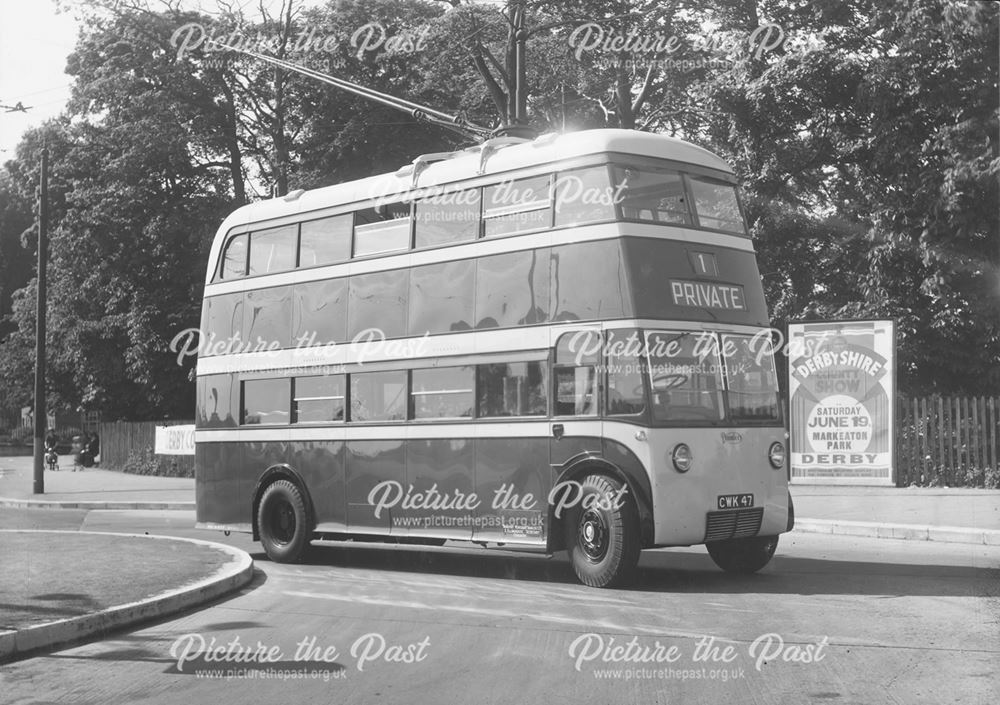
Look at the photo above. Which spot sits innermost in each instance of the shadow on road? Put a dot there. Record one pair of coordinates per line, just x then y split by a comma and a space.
664, 570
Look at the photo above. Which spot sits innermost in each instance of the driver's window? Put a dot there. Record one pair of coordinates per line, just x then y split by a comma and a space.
575, 374
685, 376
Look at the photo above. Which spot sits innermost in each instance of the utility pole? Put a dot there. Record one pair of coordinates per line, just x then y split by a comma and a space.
41, 418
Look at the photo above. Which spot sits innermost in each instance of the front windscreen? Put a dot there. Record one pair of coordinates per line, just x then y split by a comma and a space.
705, 377
685, 377
750, 378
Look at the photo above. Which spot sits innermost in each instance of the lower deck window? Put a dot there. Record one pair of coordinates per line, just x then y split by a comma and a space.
442, 393
266, 401
576, 391
319, 399
378, 396
512, 389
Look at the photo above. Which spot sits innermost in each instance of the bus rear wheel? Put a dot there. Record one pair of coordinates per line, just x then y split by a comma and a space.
602, 533
743, 556
283, 523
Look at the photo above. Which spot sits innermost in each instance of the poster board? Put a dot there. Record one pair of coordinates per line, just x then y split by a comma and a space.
842, 389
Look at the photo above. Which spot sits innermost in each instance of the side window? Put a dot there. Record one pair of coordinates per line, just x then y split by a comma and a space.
626, 392
577, 391
273, 250
265, 401
584, 196
442, 393
319, 399
512, 389
234, 258
382, 228
325, 241
447, 217
378, 396
517, 206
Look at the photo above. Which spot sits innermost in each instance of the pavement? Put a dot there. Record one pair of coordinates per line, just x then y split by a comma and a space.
90, 488
127, 579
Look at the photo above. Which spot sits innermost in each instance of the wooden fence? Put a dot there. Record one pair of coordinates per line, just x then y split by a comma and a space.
137, 439
950, 439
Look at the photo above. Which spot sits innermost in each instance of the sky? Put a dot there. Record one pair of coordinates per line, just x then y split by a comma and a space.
34, 44
35, 39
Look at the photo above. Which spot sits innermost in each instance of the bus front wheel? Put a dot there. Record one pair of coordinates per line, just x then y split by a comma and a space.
743, 555
282, 522
602, 533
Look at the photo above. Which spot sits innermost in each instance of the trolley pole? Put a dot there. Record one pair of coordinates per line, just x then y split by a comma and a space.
41, 418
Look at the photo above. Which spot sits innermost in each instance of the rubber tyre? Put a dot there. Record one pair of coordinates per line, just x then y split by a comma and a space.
283, 523
606, 554
743, 556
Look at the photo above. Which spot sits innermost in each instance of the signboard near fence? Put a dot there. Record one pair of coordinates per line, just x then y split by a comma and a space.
841, 384
174, 440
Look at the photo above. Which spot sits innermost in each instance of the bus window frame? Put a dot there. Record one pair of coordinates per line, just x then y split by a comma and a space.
694, 204
221, 268
779, 419
623, 161
598, 377
327, 216
723, 391
480, 228
550, 205
294, 410
646, 417
373, 205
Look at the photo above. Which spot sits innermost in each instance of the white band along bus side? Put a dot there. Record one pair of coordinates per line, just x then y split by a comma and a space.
546, 345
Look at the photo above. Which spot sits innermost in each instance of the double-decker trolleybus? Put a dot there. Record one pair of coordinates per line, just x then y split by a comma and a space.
547, 344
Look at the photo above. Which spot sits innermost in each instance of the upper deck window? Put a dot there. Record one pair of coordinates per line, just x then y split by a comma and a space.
234, 259
273, 250
716, 204
515, 206
655, 196
584, 196
325, 241
383, 228
447, 217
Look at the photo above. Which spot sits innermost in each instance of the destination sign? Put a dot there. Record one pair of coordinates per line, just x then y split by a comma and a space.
708, 295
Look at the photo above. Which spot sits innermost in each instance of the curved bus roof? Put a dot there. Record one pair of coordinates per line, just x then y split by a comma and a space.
502, 155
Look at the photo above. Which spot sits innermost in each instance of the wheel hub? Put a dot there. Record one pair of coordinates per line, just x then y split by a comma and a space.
593, 535
283, 523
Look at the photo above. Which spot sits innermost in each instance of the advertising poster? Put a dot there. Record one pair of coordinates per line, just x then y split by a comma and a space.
841, 382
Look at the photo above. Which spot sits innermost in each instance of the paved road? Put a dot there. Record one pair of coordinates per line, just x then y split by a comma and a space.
869, 620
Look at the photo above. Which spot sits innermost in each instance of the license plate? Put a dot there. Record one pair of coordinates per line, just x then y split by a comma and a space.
735, 501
